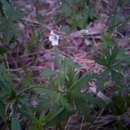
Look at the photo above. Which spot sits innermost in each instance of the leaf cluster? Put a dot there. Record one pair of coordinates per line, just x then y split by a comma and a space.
9, 16
62, 93
114, 61
14, 102
76, 14
119, 17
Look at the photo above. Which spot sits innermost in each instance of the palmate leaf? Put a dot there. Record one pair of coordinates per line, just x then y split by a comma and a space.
26, 110
82, 107
102, 78
81, 83
9, 16
48, 73
77, 13
70, 79
119, 104
118, 78
81, 19
50, 118
8, 29
108, 42
108, 57
66, 69
11, 12
113, 56
48, 95
122, 56
5, 80
44, 103
54, 113
65, 103
93, 99
67, 9
83, 102
100, 59
45, 91
58, 115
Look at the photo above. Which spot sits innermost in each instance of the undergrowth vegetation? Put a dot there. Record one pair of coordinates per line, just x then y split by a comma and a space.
76, 14
61, 95
33, 105
9, 15
119, 17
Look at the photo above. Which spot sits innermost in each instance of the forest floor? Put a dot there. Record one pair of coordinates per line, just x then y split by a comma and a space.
40, 21
38, 55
